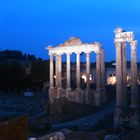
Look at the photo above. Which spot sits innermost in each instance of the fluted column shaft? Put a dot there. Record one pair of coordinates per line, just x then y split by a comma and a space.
59, 71
119, 85
102, 69
78, 70
98, 71
87, 70
134, 74
56, 71
119, 75
68, 72
51, 71
124, 71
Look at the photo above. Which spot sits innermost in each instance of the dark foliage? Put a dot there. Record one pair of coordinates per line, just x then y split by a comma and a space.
13, 76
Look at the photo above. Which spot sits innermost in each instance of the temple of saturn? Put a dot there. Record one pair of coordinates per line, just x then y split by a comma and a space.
74, 45
120, 116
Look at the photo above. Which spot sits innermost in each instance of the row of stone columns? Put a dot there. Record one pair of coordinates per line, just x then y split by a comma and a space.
121, 81
100, 71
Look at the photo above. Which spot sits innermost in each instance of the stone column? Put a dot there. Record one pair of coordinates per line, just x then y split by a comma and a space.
98, 71
78, 70
51, 71
104, 96
60, 71
102, 69
119, 88
56, 70
97, 94
134, 76
87, 76
134, 88
59, 76
51, 89
124, 71
68, 90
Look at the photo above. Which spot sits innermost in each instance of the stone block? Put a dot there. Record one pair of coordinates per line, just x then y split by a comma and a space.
14, 129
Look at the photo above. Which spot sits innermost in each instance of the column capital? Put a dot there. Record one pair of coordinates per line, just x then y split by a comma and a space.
117, 44
102, 51
123, 44
51, 54
133, 44
78, 53
87, 52
99, 53
57, 54
68, 53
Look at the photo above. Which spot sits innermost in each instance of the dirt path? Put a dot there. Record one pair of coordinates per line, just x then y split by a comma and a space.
88, 120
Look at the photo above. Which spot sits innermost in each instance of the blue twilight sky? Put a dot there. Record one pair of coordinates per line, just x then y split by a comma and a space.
31, 25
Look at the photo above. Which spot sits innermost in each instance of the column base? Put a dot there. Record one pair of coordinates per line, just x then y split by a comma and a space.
87, 96
59, 92
78, 89
118, 117
97, 97
135, 118
68, 92
52, 94
79, 95
103, 96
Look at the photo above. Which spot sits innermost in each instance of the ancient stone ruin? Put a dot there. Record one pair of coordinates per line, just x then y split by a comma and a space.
75, 45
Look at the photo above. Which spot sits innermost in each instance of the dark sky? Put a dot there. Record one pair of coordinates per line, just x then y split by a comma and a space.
31, 25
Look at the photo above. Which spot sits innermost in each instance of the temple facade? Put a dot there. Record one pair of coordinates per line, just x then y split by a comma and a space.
121, 114
88, 96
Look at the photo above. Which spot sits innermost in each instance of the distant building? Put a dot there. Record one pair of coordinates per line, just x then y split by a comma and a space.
110, 72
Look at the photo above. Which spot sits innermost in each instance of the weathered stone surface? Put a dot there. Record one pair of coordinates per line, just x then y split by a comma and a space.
75, 45
53, 136
59, 106
97, 98
110, 137
66, 131
121, 37
14, 129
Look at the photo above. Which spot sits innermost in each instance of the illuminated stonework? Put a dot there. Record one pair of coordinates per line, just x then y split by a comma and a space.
121, 38
71, 46
75, 45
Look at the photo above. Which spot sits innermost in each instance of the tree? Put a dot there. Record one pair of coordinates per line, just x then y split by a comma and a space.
40, 71
15, 54
31, 57
11, 76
